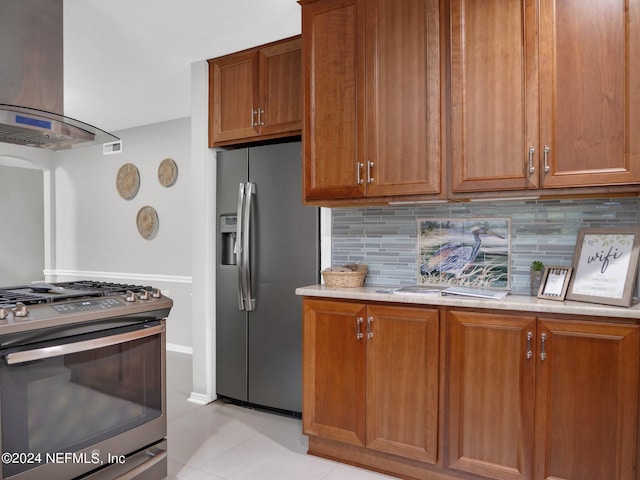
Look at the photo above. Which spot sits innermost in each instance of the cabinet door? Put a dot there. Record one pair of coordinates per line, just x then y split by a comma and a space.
281, 88
333, 370
333, 77
491, 394
403, 97
586, 401
402, 381
233, 82
494, 95
589, 76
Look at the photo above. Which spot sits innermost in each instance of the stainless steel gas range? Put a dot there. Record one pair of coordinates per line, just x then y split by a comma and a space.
82, 381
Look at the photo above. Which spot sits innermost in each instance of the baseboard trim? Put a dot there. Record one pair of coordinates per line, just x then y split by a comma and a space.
176, 348
200, 398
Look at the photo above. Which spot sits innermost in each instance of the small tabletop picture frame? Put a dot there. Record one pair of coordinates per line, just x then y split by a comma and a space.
555, 282
605, 263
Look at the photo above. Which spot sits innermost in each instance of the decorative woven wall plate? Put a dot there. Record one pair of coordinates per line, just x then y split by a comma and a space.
128, 181
167, 172
147, 222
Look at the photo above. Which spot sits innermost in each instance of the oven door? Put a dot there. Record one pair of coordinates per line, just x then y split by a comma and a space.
78, 404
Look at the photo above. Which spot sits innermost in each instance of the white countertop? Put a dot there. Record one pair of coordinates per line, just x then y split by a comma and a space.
523, 303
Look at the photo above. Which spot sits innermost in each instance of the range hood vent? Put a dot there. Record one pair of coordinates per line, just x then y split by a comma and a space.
31, 79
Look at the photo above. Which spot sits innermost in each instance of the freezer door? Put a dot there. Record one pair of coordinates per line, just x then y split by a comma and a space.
285, 255
231, 323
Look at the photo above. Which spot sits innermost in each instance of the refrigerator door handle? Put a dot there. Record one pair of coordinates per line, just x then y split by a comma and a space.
238, 247
249, 301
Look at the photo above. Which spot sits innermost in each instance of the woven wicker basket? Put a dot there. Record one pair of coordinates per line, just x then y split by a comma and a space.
347, 276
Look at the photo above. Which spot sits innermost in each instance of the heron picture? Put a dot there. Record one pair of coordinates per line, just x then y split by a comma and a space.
472, 252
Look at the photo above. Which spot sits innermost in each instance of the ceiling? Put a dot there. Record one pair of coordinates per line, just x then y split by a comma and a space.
128, 63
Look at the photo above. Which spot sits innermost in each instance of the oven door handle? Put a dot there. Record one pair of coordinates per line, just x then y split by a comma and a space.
95, 343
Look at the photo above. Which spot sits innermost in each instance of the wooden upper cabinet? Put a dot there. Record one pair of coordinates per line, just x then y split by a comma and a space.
256, 94
371, 73
403, 97
554, 107
589, 77
333, 78
494, 98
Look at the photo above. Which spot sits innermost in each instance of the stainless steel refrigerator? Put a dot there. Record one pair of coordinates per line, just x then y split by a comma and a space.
267, 245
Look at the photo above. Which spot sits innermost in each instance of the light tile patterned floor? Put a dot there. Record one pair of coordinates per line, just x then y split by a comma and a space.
220, 441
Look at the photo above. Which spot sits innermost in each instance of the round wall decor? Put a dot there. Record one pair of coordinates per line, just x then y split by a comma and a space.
147, 222
167, 172
128, 181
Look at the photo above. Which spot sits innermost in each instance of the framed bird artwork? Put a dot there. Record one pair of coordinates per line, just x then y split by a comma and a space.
470, 252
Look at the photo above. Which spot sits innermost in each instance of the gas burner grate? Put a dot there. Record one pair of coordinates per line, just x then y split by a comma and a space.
8, 298
104, 288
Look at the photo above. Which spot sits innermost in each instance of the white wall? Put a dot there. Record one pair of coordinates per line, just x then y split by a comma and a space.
22, 219
95, 229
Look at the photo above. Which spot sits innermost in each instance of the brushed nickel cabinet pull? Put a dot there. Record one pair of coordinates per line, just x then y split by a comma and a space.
359, 334
369, 330
529, 338
359, 179
545, 153
532, 169
253, 117
543, 341
369, 177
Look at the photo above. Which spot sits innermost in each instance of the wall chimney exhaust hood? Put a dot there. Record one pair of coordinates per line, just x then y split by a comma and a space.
31, 79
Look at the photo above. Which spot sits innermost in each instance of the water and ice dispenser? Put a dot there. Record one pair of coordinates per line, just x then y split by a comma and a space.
228, 229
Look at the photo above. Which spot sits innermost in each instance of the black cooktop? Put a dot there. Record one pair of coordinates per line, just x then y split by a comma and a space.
60, 291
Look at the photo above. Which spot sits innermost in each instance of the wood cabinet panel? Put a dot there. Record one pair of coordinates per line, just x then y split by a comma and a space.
333, 76
403, 97
494, 100
280, 67
586, 401
491, 390
333, 371
589, 74
233, 89
402, 382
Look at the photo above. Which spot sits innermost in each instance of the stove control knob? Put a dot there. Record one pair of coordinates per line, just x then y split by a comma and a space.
21, 310
143, 294
155, 293
130, 296
3, 313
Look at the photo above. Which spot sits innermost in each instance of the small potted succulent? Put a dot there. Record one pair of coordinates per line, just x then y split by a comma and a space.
536, 271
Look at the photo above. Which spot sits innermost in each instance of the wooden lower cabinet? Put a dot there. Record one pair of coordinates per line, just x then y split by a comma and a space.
447, 393
540, 398
491, 394
586, 400
370, 376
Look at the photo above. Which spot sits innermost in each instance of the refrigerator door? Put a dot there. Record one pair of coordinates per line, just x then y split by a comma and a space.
285, 255
231, 323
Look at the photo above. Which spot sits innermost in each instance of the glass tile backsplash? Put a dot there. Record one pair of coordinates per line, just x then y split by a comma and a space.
385, 238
